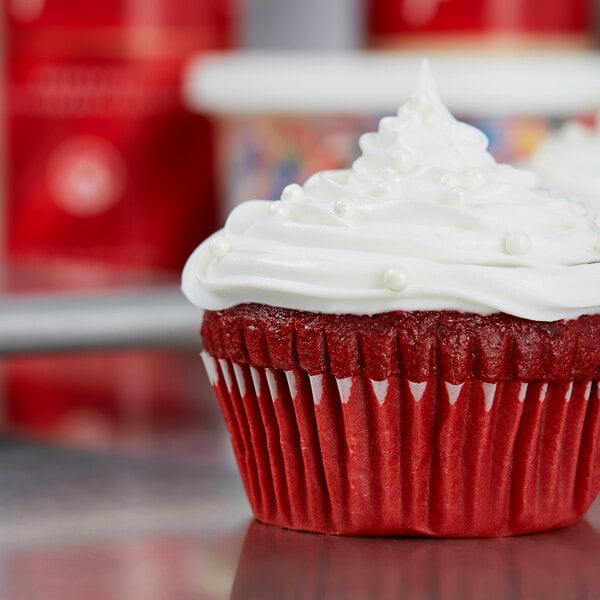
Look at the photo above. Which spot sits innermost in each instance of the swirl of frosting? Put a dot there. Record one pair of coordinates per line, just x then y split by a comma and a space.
424, 220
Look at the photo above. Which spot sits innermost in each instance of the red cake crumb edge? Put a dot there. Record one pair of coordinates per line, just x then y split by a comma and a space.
418, 345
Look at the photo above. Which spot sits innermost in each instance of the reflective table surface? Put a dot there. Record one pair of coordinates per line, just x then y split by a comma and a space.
174, 524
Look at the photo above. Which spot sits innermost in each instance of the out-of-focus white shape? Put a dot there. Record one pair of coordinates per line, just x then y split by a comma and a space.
567, 162
489, 83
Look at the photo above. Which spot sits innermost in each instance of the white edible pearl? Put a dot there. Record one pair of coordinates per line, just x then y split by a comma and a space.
456, 196
219, 246
402, 161
449, 180
578, 209
278, 209
383, 189
420, 102
432, 119
359, 166
292, 193
517, 244
395, 279
342, 209
475, 177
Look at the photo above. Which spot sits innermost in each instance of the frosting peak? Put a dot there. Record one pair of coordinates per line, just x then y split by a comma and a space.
424, 220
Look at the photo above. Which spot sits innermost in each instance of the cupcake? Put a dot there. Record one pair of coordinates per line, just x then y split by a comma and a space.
567, 162
409, 346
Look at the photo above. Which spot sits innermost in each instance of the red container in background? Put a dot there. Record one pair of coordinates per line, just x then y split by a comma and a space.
109, 179
105, 164
410, 22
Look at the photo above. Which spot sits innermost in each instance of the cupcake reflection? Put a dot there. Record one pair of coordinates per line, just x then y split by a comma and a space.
282, 564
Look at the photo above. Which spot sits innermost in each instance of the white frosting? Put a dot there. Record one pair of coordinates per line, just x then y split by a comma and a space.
568, 162
424, 220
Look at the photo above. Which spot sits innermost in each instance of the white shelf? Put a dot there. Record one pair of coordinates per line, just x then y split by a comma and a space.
486, 83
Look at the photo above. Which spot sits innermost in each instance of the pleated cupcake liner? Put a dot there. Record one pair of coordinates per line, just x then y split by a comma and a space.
358, 456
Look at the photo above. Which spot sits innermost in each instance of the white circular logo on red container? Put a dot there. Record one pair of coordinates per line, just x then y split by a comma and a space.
419, 13
27, 10
86, 175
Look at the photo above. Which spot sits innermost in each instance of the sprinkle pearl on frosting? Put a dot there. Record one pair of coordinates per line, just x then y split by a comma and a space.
578, 209
383, 189
343, 210
456, 196
449, 180
420, 102
219, 246
278, 209
402, 161
518, 244
475, 178
395, 279
292, 193
359, 166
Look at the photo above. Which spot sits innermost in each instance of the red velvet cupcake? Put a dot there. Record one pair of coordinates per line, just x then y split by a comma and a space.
409, 423
409, 347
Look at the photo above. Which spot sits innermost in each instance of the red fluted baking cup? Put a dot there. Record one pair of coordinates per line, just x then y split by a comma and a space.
434, 423
359, 456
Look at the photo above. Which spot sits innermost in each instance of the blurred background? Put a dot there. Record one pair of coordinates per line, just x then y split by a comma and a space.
128, 130
131, 127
